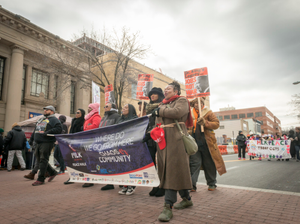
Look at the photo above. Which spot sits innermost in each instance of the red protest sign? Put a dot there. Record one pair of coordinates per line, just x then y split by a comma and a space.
196, 83
109, 94
145, 83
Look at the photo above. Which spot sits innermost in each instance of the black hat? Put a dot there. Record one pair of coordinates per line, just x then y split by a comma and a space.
156, 90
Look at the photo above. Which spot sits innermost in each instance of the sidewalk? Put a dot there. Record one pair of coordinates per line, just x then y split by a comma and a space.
58, 203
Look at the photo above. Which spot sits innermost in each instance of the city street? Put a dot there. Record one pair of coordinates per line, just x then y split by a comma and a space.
273, 175
239, 198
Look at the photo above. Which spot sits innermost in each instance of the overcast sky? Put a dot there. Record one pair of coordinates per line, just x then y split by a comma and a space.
250, 47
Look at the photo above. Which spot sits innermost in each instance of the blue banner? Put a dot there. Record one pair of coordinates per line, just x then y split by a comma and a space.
110, 155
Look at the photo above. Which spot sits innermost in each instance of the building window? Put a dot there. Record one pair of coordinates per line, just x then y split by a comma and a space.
220, 118
258, 114
242, 116
249, 115
226, 117
2, 64
39, 83
234, 116
133, 90
72, 109
23, 84
222, 127
55, 84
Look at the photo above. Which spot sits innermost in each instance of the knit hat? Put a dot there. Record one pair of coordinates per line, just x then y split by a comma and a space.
158, 135
14, 125
202, 100
1, 130
157, 91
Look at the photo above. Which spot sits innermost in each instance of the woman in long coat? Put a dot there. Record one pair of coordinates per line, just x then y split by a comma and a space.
173, 161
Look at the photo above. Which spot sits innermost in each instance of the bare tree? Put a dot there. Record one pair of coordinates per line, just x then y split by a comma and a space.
117, 49
295, 102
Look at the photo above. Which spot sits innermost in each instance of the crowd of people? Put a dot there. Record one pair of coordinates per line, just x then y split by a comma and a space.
177, 171
293, 136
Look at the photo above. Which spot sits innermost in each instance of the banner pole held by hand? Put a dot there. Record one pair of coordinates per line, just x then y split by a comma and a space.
200, 108
142, 108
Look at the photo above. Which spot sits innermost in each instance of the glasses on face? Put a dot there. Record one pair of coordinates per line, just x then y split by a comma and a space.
106, 107
77, 112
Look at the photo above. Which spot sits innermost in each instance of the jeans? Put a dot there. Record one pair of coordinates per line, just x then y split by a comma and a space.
203, 158
297, 147
59, 158
10, 159
171, 195
243, 149
42, 153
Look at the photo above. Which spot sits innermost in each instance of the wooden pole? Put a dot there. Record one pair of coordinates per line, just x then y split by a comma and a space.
142, 109
200, 108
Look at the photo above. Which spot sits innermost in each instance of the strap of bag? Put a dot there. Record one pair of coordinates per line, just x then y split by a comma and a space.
180, 129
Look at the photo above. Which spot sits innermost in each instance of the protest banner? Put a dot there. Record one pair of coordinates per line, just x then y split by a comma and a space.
196, 83
145, 83
110, 155
279, 149
109, 94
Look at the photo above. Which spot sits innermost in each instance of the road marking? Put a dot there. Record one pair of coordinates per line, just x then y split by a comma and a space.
255, 189
231, 168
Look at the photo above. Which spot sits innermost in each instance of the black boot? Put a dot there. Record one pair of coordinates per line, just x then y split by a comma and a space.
160, 192
154, 191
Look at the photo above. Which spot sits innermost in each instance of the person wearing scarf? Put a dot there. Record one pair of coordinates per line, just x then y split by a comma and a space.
208, 155
156, 96
92, 121
76, 126
173, 161
128, 113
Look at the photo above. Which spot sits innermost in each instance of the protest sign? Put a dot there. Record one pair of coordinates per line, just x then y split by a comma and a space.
96, 93
196, 83
145, 83
279, 149
109, 94
110, 155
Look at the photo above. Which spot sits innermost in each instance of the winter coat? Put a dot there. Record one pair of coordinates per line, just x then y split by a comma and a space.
173, 161
77, 123
48, 125
92, 123
15, 139
297, 142
241, 139
212, 123
110, 118
292, 147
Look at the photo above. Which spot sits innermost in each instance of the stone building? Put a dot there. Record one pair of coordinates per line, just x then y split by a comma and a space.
26, 86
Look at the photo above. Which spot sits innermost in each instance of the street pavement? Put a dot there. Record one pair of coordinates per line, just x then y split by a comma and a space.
54, 202
273, 175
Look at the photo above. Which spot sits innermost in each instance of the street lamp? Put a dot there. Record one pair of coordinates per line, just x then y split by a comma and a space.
295, 83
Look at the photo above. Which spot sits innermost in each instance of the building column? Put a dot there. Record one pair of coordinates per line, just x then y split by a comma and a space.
14, 90
64, 95
82, 97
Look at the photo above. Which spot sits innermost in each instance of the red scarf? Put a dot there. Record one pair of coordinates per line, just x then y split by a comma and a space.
189, 121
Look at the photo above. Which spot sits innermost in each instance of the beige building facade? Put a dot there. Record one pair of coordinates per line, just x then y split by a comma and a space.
25, 84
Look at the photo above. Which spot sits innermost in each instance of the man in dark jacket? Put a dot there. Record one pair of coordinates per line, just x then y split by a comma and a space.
57, 153
15, 142
297, 143
111, 117
48, 124
2, 152
241, 139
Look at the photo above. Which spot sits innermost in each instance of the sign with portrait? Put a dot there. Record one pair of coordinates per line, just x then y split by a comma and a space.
145, 84
109, 94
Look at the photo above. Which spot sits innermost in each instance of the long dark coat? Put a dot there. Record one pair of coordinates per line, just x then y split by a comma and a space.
173, 161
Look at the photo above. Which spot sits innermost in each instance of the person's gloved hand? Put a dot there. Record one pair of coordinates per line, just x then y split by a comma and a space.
147, 137
155, 113
201, 121
45, 134
30, 142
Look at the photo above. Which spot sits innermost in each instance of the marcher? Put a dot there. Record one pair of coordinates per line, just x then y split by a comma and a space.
76, 126
92, 121
128, 113
208, 155
111, 117
48, 124
297, 143
241, 139
291, 137
156, 96
57, 153
35, 169
15, 142
140, 109
173, 161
